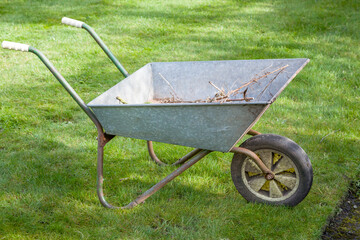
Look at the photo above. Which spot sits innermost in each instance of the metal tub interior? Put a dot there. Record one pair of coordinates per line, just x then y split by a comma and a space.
211, 126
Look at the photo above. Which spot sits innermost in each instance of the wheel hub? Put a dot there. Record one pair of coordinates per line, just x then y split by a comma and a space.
269, 176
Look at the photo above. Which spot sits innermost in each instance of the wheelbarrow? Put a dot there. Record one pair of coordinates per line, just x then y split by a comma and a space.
266, 168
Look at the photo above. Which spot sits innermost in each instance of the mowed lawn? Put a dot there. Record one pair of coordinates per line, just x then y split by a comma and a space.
48, 145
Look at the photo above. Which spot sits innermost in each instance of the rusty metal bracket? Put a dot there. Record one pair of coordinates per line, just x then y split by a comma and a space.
155, 158
268, 173
252, 132
178, 162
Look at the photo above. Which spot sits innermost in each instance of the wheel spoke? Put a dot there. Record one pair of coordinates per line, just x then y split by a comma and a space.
287, 180
257, 183
266, 157
251, 167
284, 164
275, 191
290, 176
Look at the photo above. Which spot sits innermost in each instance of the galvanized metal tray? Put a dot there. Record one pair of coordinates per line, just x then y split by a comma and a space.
211, 126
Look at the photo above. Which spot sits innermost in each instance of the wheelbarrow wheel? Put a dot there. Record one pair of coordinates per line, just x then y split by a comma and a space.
287, 160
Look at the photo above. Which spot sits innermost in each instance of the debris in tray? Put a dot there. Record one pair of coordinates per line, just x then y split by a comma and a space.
121, 100
280, 70
173, 100
255, 80
221, 96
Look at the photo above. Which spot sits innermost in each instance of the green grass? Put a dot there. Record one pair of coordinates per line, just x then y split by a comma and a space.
48, 146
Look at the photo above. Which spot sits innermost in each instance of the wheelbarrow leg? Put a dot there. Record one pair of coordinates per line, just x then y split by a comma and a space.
100, 178
153, 154
148, 193
102, 140
178, 162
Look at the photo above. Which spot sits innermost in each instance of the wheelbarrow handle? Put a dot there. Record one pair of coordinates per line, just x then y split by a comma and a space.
72, 22
79, 24
15, 46
58, 76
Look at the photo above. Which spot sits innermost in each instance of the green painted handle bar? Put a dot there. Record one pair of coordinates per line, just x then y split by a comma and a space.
79, 24
58, 76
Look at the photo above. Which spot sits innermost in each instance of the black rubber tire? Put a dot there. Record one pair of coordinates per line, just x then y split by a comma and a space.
284, 147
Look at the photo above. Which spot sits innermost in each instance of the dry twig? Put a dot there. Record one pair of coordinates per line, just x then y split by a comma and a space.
254, 80
168, 83
221, 96
121, 100
281, 69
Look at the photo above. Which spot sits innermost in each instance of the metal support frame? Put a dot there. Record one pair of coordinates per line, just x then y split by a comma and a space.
155, 158
252, 132
102, 140
188, 160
